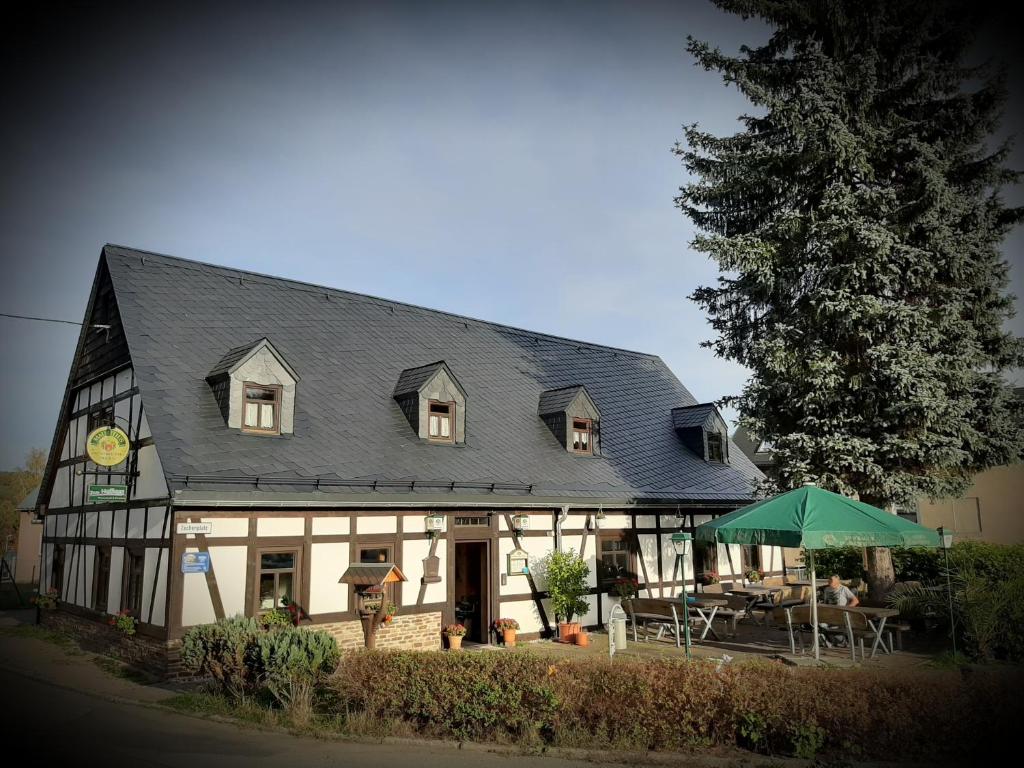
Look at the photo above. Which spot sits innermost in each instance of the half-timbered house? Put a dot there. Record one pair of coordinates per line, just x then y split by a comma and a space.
281, 431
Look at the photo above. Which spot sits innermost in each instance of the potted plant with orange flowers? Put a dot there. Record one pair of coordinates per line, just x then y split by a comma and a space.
392, 609
455, 633
507, 628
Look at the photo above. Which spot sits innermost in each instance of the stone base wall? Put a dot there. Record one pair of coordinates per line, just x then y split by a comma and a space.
415, 632
156, 656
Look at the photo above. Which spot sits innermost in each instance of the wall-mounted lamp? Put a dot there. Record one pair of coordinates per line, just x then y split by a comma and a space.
433, 524
520, 522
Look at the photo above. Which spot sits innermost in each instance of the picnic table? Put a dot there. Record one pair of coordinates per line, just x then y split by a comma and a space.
762, 598
706, 608
876, 618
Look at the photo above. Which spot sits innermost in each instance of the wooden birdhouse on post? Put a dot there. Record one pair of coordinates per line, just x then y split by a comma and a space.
369, 580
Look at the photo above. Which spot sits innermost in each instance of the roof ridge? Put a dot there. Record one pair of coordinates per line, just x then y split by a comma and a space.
293, 284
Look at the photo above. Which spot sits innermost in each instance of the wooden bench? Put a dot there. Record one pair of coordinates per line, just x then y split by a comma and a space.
838, 622
644, 610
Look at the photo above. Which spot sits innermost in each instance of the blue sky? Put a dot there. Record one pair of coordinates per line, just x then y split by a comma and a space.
505, 161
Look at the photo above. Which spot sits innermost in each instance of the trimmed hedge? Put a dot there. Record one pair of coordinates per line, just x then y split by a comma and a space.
673, 704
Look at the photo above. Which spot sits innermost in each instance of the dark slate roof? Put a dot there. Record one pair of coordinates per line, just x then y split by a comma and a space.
226, 363
557, 400
181, 317
693, 415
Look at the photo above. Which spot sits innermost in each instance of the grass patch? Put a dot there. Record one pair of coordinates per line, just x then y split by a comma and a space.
205, 703
119, 669
35, 632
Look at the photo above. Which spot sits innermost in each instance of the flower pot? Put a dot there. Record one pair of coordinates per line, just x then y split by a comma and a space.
509, 636
387, 619
582, 638
455, 642
567, 631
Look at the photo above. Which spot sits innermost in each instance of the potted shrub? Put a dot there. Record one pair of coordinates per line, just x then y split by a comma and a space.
455, 633
709, 578
507, 628
392, 609
582, 638
276, 619
47, 601
626, 588
566, 575
755, 575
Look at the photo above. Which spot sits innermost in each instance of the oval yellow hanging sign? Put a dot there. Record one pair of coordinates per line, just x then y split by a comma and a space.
107, 446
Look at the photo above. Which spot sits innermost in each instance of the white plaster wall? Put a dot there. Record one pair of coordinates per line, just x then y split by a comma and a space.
123, 381
645, 521
81, 432
107, 391
373, 523
616, 522
281, 526
116, 571
536, 548
91, 519
542, 522
262, 368
574, 522
120, 523
326, 594
122, 413
649, 553
525, 612
77, 492
413, 553
668, 559
51, 525
724, 568
196, 604
335, 526
105, 520
151, 483
136, 523
144, 431
229, 566
225, 527
59, 493
155, 522
152, 571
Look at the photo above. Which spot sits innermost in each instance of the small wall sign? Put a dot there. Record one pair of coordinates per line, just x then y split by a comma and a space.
194, 528
195, 562
107, 446
99, 494
518, 563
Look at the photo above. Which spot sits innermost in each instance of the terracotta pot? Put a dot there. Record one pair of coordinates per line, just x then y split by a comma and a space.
387, 619
509, 636
455, 642
567, 631
582, 638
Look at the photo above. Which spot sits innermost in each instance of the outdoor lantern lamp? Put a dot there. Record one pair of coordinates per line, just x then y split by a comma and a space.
946, 541
433, 524
682, 543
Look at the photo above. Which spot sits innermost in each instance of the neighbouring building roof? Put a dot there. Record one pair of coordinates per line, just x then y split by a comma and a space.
29, 502
758, 451
180, 317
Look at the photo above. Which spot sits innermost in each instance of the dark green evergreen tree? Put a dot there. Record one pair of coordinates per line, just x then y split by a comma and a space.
856, 219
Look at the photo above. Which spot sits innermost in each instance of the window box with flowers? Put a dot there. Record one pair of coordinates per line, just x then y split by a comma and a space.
507, 628
455, 633
124, 622
709, 577
755, 575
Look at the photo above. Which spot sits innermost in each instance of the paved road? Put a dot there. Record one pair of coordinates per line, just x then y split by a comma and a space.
50, 722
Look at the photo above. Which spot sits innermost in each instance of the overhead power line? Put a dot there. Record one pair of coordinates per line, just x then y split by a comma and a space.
40, 319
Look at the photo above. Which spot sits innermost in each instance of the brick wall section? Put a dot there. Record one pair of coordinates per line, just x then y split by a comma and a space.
147, 653
416, 632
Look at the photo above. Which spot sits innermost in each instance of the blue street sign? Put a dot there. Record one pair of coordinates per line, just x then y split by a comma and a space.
195, 562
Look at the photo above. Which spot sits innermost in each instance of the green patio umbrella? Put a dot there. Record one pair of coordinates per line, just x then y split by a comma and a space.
813, 518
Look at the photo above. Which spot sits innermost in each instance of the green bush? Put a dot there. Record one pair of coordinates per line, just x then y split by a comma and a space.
223, 651
848, 562
672, 704
291, 662
286, 662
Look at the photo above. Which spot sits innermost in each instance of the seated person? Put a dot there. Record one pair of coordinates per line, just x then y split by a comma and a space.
839, 594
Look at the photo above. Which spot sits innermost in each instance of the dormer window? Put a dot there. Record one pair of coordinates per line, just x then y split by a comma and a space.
440, 422
434, 403
702, 429
715, 450
255, 389
262, 409
581, 435
573, 419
